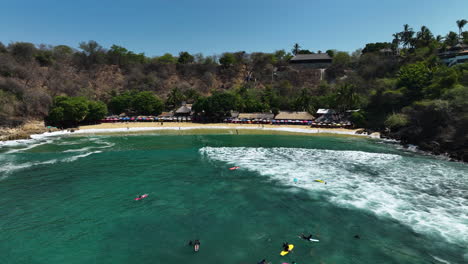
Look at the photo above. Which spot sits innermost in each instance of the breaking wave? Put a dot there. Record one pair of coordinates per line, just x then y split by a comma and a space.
424, 194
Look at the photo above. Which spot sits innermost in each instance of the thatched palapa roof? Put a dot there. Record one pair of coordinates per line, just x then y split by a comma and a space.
286, 115
255, 116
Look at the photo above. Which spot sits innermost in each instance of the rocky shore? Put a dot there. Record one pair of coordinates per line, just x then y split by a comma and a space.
24, 131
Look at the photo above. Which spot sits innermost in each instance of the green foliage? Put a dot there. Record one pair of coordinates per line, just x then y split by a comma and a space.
396, 121
121, 103
174, 99
305, 51
22, 51
296, 48
414, 77
146, 103
358, 119
330, 53
70, 111
376, 47
451, 39
347, 97
121, 56
166, 59
96, 111
444, 78
185, 58
227, 59
44, 58
217, 106
341, 58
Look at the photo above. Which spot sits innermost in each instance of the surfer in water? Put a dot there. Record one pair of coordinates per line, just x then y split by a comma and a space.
309, 237
286, 246
195, 244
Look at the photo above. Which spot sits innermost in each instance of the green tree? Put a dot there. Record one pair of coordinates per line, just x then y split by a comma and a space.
407, 35
414, 77
296, 48
166, 59
358, 119
96, 111
395, 121
424, 37
174, 98
185, 58
146, 103
341, 58
121, 103
22, 51
451, 39
460, 24
217, 106
346, 97
227, 59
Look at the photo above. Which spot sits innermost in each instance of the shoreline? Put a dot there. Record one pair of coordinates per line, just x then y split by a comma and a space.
135, 127
174, 128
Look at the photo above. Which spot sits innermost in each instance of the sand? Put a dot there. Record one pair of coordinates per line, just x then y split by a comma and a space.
214, 127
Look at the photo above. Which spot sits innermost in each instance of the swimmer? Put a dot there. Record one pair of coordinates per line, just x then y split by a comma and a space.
309, 237
195, 244
263, 261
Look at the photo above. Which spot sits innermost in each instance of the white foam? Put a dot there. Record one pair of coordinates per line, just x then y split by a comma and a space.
10, 166
428, 196
74, 158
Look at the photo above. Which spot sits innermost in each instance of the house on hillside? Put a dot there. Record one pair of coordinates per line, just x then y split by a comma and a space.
316, 61
288, 117
455, 55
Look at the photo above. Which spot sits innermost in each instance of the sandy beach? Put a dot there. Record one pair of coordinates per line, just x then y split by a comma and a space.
228, 128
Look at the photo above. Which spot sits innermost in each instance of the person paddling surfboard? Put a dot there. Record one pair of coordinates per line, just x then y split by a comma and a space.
308, 238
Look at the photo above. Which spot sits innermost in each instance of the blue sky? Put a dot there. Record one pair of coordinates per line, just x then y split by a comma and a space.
214, 26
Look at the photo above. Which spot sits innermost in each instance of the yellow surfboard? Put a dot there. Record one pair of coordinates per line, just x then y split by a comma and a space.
286, 252
320, 181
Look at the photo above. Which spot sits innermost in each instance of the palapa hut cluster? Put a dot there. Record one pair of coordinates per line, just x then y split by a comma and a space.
323, 117
182, 114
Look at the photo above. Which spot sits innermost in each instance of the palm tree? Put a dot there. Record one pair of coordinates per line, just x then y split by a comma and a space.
461, 23
407, 35
296, 49
424, 36
451, 39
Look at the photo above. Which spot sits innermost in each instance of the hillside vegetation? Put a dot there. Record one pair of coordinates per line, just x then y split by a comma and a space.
401, 87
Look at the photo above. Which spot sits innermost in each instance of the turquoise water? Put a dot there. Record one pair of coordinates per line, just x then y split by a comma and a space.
70, 200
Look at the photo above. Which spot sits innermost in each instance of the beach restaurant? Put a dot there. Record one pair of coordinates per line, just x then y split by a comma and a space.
293, 118
250, 118
329, 118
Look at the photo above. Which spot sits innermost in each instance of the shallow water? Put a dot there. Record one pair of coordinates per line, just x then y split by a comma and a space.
70, 200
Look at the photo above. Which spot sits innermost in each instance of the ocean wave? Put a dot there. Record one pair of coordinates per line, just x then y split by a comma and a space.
426, 195
74, 158
8, 167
